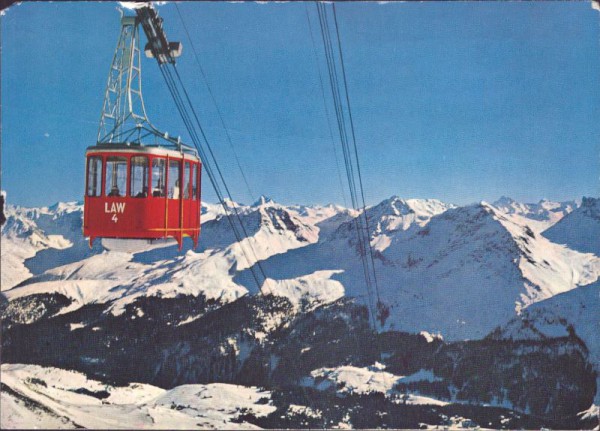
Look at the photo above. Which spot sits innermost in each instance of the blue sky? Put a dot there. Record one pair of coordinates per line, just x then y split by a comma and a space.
456, 101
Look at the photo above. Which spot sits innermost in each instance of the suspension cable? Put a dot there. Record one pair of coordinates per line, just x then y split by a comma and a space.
361, 221
322, 87
350, 152
238, 228
344, 141
362, 191
214, 101
208, 146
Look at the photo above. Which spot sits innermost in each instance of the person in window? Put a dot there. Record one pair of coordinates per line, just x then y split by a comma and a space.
175, 191
143, 193
114, 191
158, 190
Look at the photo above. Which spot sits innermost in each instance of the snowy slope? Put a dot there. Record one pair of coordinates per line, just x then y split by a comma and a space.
347, 380
39, 397
577, 310
308, 291
316, 213
272, 229
467, 256
580, 230
13, 254
279, 232
441, 277
115, 277
211, 211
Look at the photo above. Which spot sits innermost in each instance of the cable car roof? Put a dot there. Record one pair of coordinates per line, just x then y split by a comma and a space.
144, 149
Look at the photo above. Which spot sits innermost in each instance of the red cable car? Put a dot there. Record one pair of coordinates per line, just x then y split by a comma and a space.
141, 193
140, 183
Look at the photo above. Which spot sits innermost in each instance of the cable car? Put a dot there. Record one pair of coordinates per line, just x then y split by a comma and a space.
141, 193
140, 183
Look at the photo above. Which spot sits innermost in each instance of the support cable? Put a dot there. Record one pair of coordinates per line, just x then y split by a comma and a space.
176, 88
342, 129
221, 177
207, 162
214, 101
362, 191
171, 84
337, 164
363, 232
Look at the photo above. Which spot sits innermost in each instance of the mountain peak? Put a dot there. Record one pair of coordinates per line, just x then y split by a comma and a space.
504, 200
407, 211
397, 206
394, 206
231, 203
263, 200
395, 214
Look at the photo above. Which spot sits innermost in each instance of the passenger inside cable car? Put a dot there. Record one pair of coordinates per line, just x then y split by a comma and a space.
173, 176
174, 193
116, 176
158, 178
139, 177
158, 191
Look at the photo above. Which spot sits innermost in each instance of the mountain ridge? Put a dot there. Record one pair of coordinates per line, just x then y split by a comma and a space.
424, 249
171, 319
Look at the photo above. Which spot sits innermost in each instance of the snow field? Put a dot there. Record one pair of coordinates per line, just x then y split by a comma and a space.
57, 405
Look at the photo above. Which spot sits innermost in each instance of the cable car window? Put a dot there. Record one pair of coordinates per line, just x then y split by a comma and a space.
159, 185
94, 178
187, 187
194, 182
139, 177
174, 187
116, 176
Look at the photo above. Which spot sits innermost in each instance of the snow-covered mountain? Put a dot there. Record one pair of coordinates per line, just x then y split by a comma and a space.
120, 278
544, 210
466, 256
437, 265
440, 277
395, 214
454, 272
271, 229
211, 211
36, 239
579, 230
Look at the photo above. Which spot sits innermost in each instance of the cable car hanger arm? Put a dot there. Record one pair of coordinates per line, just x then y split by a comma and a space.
158, 45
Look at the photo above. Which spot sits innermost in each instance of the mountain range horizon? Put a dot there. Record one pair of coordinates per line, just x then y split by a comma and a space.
510, 278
